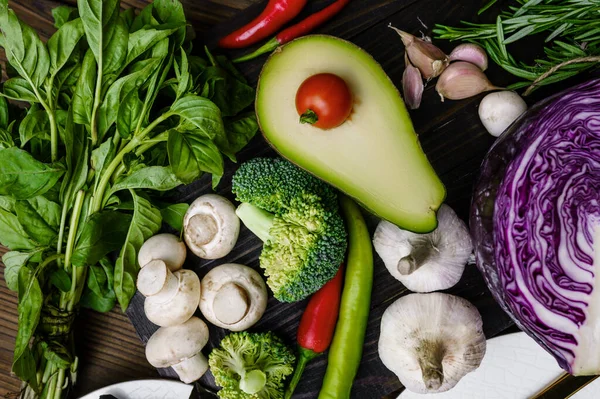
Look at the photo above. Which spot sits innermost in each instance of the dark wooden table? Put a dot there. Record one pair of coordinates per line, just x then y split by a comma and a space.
450, 133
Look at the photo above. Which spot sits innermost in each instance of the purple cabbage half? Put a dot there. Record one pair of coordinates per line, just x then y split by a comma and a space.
535, 220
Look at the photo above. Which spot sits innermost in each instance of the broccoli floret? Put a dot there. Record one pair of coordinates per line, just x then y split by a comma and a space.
251, 366
297, 217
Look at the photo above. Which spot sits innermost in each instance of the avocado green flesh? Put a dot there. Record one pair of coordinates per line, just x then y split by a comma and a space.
374, 156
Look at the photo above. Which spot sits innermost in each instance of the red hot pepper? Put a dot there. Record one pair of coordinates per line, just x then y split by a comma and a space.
317, 325
300, 29
274, 16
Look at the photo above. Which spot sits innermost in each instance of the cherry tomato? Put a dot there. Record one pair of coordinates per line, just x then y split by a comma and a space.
324, 100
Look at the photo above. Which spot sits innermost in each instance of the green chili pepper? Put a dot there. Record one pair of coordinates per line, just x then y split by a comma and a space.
346, 350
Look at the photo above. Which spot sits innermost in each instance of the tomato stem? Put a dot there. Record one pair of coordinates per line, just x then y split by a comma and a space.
309, 116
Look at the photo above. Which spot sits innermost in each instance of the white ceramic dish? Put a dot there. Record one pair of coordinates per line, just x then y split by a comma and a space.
514, 367
145, 389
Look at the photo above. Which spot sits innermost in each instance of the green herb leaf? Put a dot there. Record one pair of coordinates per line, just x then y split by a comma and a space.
201, 113
83, 96
238, 133
58, 354
106, 33
101, 157
35, 125
190, 154
4, 117
173, 215
12, 234
99, 294
24, 49
13, 261
31, 300
129, 113
61, 279
171, 12
229, 94
7, 203
146, 222
102, 233
159, 178
22, 176
62, 44
19, 89
62, 15
144, 39
40, 218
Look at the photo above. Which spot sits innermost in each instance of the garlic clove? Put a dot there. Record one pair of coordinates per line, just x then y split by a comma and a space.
431, 341
412, 84
470, 52
462, 80
429, 59
426, 262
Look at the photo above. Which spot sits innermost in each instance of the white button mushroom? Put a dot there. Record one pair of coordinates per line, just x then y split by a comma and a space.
171, 298
431, 341
425, 262
498, 110
233, 297
180, 347
166, 247
211, 227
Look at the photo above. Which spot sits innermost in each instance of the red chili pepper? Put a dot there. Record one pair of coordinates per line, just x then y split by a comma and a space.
274, 16
317, 325
294, 31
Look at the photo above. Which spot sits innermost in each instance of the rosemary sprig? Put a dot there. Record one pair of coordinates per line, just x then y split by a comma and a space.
572, 30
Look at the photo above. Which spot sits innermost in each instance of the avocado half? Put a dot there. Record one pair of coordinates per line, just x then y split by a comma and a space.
374, 156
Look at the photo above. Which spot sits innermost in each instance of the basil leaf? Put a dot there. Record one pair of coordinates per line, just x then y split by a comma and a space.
190, 154
145, 223
22, 176
25, 367
12, 234
62, 15
229, 94
238, 133
129, 113
19, 89
77, 150
62, 44
4, 117
31, 300
201, 113
13, 261
128, 16
171, 12
102, 233
97, 281
173, 215
24, 49
6, 140
101, 157
99, 294
7, 203
144, 39
108, 111
83, 96
102, 304
61, 279
40, 218
57, 354
35, 124
159, 178
106, 33
182, 73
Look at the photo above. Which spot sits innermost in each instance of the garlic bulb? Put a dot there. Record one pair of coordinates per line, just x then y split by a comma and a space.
431, 341
425, 262
470, 52
462, 80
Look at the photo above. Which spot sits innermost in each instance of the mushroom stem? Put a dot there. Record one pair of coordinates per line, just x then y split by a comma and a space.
203, 228
231, 303
156, 280
431, 354
256, 220
253, 382
191, 369
423, 250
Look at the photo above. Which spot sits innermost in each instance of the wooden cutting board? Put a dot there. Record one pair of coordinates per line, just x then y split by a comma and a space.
452, 137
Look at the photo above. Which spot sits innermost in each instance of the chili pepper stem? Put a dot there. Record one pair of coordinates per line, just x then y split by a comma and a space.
306, 355
268, 47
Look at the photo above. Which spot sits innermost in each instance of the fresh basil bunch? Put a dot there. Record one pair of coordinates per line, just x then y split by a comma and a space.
117, 106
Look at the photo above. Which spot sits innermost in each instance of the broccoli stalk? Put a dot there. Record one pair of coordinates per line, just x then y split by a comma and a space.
256, 220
